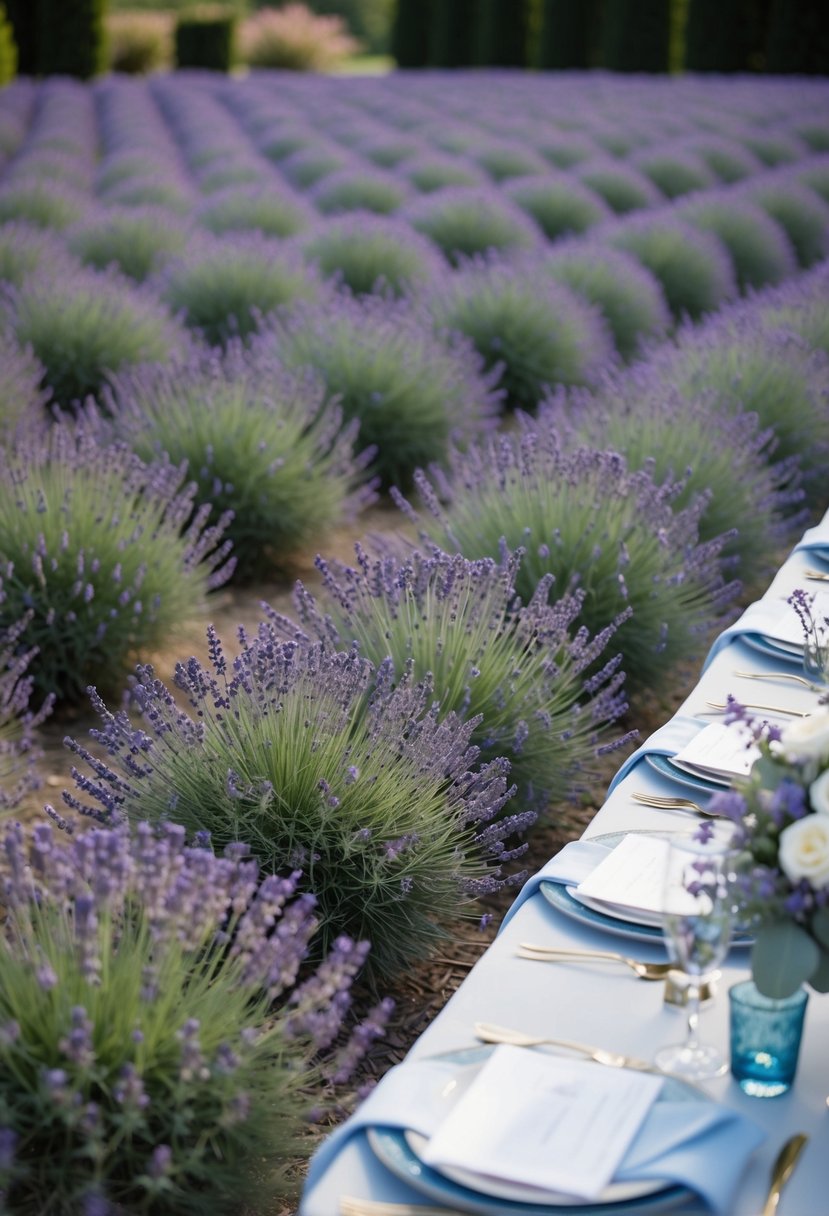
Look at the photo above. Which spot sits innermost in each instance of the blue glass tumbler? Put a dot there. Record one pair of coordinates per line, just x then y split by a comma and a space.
765, 1039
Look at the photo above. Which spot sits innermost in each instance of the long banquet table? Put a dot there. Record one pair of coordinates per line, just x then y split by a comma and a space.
610, 1007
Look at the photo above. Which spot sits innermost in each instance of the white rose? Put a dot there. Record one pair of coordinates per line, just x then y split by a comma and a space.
804, 850
807, 738
819, 793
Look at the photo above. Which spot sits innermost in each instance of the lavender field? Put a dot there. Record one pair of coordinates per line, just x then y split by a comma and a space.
553, 350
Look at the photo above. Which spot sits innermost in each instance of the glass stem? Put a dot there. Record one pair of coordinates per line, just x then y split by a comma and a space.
692, 1038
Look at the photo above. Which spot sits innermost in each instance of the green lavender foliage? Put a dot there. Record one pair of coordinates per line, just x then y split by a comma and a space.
84, 326
327, 765
759, 247
136, 240
523, 324
369, 253
98, 547
800, 212
586, 519
693, 267
464, 221
559, 205
259, 443
628, 295
157, 1053
224, 287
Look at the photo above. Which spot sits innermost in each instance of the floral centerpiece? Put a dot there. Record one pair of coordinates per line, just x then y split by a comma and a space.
782, 815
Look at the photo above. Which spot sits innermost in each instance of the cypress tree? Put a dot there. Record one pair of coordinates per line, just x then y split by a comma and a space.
206, 39
410, 33
453, 33
70, 38
504, 29
8, 50
567, 33
635, 35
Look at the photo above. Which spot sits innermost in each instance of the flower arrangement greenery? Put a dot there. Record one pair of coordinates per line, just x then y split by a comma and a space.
322, 762
782, 815
263, 445
162, 1042
107, 554
519, 668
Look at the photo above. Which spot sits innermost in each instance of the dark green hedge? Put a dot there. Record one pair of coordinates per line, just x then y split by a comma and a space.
503, 33
797, 39
410, 33
567, 35
70, 37
206, 39
635, 35
453, 34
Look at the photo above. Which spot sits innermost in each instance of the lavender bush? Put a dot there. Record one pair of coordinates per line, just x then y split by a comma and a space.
83, 326
738, 364
22, 399
464, 221
759, 248
138, 240
621, 186
37, 202
160, 1045
94, 549
727, 160
558, 203
523, 325
260, 443
25, 248
520, 669
674, 173
18, 753
800, 212
724, 458
594, 524
274, 212
410, 390
224, 288
628, 295
801, 308
307, 166
368, 253
359, 190
693, 267
323, 763
503, 161
431, 171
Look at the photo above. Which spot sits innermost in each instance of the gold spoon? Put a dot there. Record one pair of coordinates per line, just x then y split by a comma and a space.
783, 1169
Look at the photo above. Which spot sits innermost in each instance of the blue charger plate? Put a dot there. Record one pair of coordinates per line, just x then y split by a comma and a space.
391, 1147
664, 766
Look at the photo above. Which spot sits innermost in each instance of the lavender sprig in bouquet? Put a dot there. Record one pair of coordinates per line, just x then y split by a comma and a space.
782, 815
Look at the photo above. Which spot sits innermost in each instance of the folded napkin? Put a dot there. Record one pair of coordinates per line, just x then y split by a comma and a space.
759, 618
702, 1145
666, 741
570, 866
816, 540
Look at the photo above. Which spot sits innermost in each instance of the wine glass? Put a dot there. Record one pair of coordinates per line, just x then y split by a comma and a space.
816, 658
698, 897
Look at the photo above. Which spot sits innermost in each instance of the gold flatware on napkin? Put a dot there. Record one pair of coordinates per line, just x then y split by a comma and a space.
350, 1206
777, 675
645, 971
771, 709
783, 1169
673, 802
488, 1033
817, 576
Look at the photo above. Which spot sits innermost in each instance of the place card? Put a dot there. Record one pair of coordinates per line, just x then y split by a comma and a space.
785, 626
545, 1121
719, 751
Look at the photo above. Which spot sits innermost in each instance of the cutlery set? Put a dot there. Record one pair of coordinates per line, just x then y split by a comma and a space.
722, 707
644, 971
673, 802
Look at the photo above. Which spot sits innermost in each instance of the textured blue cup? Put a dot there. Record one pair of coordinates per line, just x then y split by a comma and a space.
765, 1039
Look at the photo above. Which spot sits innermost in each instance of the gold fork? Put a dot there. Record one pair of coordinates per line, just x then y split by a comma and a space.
645, 971
819, 576
777, 675
674, 802
771, 709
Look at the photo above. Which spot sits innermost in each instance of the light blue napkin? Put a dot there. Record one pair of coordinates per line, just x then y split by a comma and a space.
666, 741
570, 865
816, 540
702, 1145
